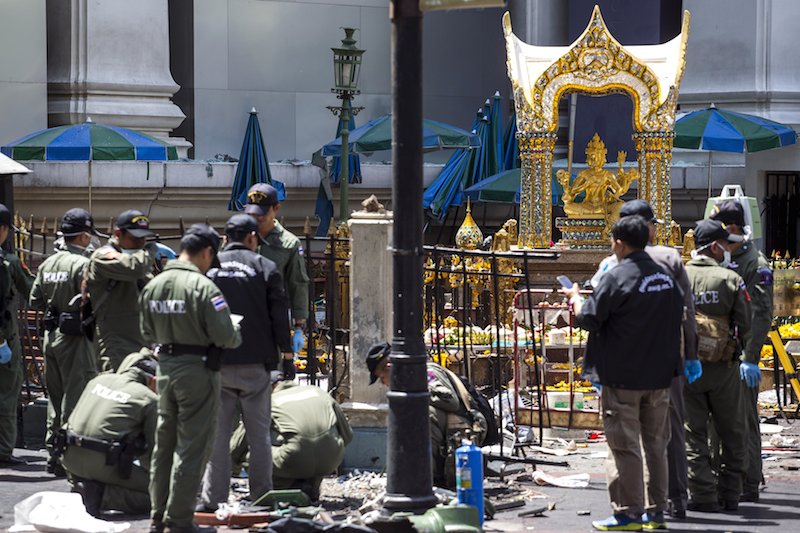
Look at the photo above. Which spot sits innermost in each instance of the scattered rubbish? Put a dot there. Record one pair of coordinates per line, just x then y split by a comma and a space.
536, 511
770, 429
572, 481
584, 512
779, 441
59, 512
508, 504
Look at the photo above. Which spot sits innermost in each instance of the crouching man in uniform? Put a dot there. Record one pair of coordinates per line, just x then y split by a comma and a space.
450, 412
309, 434
113, 425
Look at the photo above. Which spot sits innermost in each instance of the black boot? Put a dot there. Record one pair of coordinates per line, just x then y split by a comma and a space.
92, 494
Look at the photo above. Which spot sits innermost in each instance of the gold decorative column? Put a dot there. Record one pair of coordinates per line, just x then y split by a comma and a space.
655, 183
536, 189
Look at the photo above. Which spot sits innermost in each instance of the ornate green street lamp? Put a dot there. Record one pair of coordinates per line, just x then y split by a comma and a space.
346, 69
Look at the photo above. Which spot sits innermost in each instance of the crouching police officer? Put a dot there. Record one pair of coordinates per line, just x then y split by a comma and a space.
309, 432
70, 360
722, 307
113, 424
186, 315
451, 412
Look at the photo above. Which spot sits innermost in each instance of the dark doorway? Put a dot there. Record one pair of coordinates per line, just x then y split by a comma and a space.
781, 212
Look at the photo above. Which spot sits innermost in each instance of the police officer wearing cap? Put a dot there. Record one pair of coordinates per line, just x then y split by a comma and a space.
253, 288
186, 316
723, 312
283, 248
670, 260
15, 283
116, 274
450, 411
113, 425
70, 360
754, 268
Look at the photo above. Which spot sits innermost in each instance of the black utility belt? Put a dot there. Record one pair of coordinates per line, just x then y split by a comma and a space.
212, 355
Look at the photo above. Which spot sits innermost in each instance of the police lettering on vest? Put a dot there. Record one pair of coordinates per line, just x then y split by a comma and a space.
110, 394
168, 307
55, 277
706, 297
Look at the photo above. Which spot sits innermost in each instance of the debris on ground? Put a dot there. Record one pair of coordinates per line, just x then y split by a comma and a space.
571, 481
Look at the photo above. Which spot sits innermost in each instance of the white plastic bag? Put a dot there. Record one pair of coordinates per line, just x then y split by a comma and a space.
59, 512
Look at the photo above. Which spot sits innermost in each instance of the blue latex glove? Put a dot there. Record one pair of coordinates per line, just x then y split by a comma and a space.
598, 387
5, 353
298, 340
692, 369
750, 374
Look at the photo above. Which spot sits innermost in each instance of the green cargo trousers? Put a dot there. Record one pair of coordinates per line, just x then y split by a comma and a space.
752, 471
69, 364
716, 394
187, 420
126, 495
10, 386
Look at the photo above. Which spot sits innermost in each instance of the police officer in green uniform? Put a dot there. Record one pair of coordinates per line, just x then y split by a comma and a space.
723, 313
309, 435
113, 424
450, 411
116, 274
283, 248
186, 316
15, 283
753, 267
70, 360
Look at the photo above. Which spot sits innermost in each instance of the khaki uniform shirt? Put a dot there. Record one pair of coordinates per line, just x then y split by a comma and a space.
118, 316
182, 306
719, 292
753, 267
285, 250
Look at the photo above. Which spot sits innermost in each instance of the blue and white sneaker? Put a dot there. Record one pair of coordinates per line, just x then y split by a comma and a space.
618, 522
654, 520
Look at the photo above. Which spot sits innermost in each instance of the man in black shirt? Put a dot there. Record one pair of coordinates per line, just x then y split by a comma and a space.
634, 319
253, 288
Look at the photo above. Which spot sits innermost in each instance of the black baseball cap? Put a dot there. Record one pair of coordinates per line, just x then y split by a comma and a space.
728, 212
77, 221
260, 198
241, 225
641, 208
6, 219
707, 231
376, 354
134, 222
204, 233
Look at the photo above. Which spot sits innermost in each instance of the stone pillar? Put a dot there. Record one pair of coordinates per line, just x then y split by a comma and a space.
109, 60
370, 298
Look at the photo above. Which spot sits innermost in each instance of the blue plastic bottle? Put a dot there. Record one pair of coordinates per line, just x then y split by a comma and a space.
469, 476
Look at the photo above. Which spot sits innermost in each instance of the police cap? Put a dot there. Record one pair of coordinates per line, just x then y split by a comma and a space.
375, 355
707, 231
641, 208
5, 217
260, 198
77, 221
240, 225
134, 222
728, 212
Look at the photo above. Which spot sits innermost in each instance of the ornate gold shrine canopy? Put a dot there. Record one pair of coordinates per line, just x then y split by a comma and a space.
595, 64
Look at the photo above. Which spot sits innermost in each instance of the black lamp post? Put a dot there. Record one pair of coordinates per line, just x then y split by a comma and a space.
346, 69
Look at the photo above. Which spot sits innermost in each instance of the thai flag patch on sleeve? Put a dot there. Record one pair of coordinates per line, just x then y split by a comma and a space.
219, 303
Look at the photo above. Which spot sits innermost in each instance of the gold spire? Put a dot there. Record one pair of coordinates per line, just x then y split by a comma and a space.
469, 235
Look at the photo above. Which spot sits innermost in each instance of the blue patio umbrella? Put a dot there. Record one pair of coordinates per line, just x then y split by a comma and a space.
376, 135
510, 144
715, 129
354, 162
253, 166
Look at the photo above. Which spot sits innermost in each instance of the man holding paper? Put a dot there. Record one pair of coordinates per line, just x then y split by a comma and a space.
253, 288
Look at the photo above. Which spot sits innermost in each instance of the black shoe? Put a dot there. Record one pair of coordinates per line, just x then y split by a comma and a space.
729, 505
54, 467
156, 526
703, 507
749, 496
92, 494
12, 461
677, 510
203, 508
